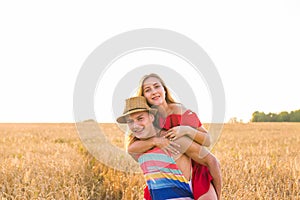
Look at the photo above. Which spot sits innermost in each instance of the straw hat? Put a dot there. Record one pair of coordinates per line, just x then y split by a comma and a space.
133, 105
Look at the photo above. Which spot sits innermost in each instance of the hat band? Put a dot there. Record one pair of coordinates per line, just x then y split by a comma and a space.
136, 109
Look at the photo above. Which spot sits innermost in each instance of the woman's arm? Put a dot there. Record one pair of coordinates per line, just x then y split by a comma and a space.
199, 135
192, 127
141, 146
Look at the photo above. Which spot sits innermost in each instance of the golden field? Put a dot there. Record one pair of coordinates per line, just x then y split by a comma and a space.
49, 161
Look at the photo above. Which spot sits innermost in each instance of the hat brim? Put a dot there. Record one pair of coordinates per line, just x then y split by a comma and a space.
122, 119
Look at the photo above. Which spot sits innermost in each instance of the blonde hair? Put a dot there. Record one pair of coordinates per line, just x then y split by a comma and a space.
169, 99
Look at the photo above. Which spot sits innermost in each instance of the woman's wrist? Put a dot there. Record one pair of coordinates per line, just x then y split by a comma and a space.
153, 141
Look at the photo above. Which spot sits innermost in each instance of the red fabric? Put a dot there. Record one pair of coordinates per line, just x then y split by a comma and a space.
201, 179
201, 176
188, 118
147, 193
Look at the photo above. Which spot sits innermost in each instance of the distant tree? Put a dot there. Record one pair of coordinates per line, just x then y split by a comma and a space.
268, 117
295, 116
258, 116
271, 117
255, 116
283, 117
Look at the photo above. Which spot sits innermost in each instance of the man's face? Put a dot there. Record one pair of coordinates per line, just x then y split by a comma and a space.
140, 123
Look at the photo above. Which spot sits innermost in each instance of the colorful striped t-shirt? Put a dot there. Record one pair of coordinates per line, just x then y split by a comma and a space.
164, 179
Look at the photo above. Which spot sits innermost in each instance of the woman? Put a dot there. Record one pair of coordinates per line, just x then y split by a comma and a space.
178, 122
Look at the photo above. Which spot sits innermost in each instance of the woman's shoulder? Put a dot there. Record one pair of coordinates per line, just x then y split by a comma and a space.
178, 108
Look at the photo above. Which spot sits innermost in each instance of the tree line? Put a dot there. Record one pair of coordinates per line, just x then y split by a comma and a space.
293, 116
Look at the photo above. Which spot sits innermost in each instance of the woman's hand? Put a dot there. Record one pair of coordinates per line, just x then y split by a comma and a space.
198, 135
166, 145
177, 132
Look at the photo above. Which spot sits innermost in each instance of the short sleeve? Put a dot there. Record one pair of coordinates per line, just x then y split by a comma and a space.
190, 118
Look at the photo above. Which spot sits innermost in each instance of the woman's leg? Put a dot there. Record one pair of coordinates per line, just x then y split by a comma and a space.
202, 156
215, 171
210, 194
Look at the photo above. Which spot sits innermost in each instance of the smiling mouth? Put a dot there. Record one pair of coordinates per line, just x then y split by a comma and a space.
155, 98
138, 131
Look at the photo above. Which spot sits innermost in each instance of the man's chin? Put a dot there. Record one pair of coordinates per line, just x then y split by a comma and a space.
146, 138
139, 135
143, 138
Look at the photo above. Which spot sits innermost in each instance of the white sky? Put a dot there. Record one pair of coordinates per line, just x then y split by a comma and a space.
255, 46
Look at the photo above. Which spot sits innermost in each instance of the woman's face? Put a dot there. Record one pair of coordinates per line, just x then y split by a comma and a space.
154, 91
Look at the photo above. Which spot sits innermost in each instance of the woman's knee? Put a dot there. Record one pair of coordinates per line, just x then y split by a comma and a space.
210, 194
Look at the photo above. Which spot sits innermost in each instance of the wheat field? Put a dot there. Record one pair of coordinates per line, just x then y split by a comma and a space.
49, 161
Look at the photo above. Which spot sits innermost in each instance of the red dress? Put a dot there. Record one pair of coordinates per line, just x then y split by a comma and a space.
201, 177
